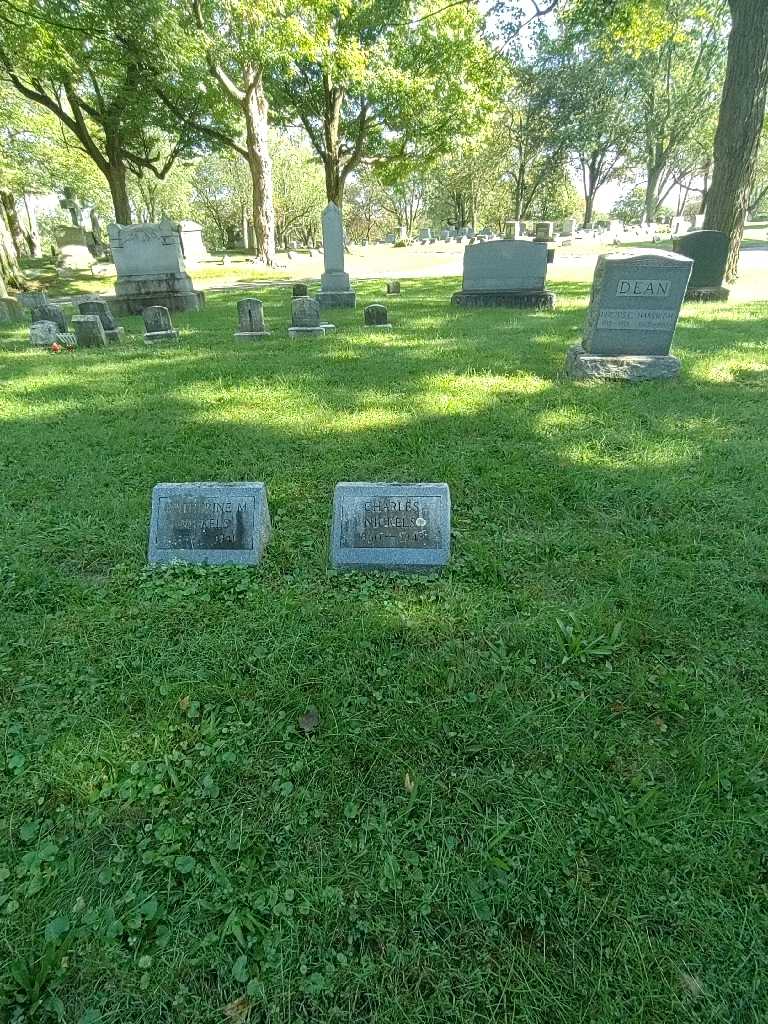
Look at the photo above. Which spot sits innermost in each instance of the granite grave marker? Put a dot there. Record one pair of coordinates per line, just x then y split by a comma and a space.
505, 272
250, 314
709, 252
158, 326
89, 331
376, 315
335, 290
42, 333
100, 308
150, 268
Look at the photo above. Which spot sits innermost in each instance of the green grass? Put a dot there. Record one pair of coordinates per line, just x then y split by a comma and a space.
579, 700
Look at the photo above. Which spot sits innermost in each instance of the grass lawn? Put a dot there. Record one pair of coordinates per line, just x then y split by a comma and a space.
578, 702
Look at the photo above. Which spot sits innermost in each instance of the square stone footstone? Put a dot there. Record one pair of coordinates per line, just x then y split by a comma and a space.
215, 523
100, 308
404, 527
505, 272
89, 331
158, 326
376, 315
250, 314
709, 252
633, 310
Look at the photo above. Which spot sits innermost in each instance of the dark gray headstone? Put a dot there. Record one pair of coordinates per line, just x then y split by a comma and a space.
506, 272
376, 315
300, 290
393, 287
391, 526
709, 251
31, 300
157, 325
42, 333
250, 314
49, 311
216, 523
100, 308
89, 331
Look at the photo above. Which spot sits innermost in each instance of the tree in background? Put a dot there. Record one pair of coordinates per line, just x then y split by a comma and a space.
221, 199
631, 207
299, 189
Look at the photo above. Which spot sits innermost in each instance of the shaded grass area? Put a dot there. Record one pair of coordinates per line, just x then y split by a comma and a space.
578, 702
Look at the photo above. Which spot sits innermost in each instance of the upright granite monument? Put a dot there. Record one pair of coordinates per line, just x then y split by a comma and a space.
406, 527
709, 252
505, 272
633, 311
305, 319
334, 284
150, 268
215, 523
48, 310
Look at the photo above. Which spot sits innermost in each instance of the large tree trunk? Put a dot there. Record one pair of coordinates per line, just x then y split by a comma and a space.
10, 272
256, 110
12, 219
652, 192
742, 110
32, 234
118, 187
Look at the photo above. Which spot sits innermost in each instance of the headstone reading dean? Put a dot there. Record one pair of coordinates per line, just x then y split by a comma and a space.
215, 523
709, 252
99, 308
250, 314
505, 273
89, 331
376, 315
405, 527
150, 268
633, 311
42, 333
305, 319
158, 326
334, 284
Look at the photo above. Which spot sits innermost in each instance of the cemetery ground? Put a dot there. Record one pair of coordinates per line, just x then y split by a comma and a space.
535, 788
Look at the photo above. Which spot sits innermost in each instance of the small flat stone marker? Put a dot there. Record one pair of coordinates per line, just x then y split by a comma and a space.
100, 308
214, 523
393, 287
42, 333
376, 315
633, 311
158, 326
89, 331
405, 527
250, 313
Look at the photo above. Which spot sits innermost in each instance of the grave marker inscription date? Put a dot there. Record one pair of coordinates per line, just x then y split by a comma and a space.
217, 523
391, 526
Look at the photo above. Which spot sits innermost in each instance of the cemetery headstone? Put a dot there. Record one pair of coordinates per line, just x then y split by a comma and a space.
32, 300
376, 315
150, 268
89, 331
393, 287
305, 319
100, 308
405, 527
709, 252
299, 290
213, 523
50, 311
505, 273
425, 234
158, 326
250, 314
192, 243
72, 244
514, 229
445, 235
10, 309
334, 283
390, 238
544, 231
568, 227
633, 311
42, 333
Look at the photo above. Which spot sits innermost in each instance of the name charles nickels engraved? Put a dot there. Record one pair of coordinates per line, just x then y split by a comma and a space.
409, 522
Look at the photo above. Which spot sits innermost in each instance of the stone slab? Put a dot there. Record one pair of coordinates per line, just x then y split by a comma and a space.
214, 523
306, 332
707, 294
337, 300
510, 300
43, 333
175, 301
156, 337
395, 526
581, 365
505, 265
709, 252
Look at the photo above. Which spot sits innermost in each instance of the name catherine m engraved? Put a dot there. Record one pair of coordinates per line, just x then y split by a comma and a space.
205, 524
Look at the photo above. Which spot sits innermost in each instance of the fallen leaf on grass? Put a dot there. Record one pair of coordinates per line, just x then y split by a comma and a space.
238, 1010
408, 782
309, 721
660, 724
184, 703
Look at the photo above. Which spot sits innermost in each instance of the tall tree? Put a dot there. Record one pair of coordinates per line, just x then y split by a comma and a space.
74, 62
742, 113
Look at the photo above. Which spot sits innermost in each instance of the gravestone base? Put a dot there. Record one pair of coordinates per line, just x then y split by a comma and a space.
582, 365
156, 337
306, 332
337, 300
115, 335
707, 294
247, 335
378, 327
174, 291
511, 300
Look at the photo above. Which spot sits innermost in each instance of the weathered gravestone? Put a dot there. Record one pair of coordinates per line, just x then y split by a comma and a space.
393, 287
49, 311
568, 227
192, 243
391, 526
632, 315
42, 333
150, 268
89, 331
375, 315
300, 290
505, 273
513, 229
72, 244
32, 300
425, 234
544, 231
215, 523
334, 283
305, 319
709, 252
158, 326
10, 309
100, 308
250, 314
